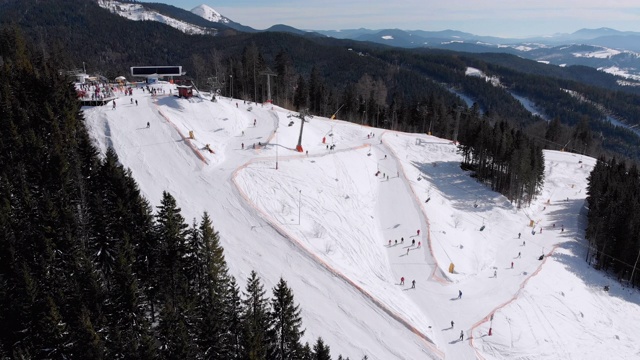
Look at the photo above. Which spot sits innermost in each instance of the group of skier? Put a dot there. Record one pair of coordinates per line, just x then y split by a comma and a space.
413, 282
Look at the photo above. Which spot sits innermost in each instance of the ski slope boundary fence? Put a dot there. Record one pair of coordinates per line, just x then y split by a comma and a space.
185, 139
513, 298
312, 256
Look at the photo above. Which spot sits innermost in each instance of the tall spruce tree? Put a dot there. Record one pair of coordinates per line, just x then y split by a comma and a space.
233, 302
216, 311
256, 320
321, 351
286, 323
170, 230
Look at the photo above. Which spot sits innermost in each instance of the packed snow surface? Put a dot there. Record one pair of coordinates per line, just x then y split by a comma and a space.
328, 222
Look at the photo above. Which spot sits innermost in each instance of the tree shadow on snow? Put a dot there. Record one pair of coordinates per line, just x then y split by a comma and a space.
561, 212
170, 101
595, 279
459, 187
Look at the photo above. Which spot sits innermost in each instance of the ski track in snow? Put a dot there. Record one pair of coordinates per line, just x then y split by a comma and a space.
336, 217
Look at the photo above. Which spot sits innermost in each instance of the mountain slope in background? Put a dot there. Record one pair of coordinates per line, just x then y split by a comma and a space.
162, 13
604, 49
208, 13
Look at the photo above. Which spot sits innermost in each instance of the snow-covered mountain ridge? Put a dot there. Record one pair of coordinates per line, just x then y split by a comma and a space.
208, 13
138, 12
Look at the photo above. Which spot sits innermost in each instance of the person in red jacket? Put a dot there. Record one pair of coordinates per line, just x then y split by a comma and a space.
402, 280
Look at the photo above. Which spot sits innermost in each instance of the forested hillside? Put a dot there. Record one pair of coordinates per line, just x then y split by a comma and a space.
390, 88
614, 225
88, 270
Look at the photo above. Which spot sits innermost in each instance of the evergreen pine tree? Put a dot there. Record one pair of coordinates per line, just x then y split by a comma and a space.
170, 230
285, 331
215, 307
233, 303
255, 320
306, 353
321, 351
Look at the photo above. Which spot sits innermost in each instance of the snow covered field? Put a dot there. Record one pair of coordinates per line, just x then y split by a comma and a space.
323, 221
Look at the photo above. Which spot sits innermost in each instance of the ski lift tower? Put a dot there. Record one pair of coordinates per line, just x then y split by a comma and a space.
303, 113
268, 73
455, 131
215, 85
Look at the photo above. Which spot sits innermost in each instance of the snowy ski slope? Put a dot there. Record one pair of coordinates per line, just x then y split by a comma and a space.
323, 222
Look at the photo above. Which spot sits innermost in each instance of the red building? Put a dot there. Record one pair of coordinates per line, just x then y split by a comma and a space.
185, 91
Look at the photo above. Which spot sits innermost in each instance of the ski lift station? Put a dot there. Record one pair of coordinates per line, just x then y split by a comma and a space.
153, 73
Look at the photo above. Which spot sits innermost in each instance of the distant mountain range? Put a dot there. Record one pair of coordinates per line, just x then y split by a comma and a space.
605, 49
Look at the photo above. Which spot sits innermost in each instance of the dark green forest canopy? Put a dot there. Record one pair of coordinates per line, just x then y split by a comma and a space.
613, 230
87, 270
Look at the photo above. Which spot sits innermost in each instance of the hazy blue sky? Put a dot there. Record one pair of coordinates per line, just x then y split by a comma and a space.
505, 18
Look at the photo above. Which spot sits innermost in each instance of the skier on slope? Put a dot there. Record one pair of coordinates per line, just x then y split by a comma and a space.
452, 324
459, 294
418, 232
402, 280
413, 284
461, 335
